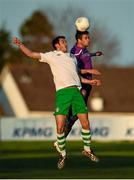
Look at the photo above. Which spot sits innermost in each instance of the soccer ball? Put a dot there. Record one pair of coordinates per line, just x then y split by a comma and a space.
82, 24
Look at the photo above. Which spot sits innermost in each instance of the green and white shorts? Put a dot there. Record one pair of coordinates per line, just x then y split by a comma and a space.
70, 97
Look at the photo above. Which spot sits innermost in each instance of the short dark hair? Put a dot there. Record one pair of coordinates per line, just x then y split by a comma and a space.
56, 40
79, 34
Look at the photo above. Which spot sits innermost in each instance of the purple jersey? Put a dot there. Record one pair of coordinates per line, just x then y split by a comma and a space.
83, 59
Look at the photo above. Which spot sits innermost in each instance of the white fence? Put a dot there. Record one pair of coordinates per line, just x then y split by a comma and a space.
106, 127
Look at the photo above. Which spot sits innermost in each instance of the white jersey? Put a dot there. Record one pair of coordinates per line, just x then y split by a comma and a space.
63, 67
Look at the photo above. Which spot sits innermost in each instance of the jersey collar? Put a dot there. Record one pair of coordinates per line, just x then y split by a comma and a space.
60, 52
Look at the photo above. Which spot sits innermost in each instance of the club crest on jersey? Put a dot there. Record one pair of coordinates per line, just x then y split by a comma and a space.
57, 109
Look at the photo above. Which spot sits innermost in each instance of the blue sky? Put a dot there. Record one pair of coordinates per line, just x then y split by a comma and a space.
117, 15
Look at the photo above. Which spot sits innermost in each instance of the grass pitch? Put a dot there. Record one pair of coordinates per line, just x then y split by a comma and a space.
38, 160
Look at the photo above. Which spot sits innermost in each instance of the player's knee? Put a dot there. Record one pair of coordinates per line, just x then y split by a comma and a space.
85, 125
60, 129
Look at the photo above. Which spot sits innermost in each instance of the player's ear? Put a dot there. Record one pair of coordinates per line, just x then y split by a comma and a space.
57, 45
79, 40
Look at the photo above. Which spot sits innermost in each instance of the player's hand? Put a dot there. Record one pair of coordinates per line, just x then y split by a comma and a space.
95, 82
99, 53
94, 71
16, 41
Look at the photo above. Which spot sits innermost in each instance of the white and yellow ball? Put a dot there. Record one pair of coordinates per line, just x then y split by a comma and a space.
82, 24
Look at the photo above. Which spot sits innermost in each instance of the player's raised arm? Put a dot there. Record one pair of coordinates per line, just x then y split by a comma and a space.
25, 50
90, 71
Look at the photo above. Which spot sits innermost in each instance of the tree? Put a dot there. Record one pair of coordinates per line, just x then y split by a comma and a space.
5, 48
37, 32
64, 22
102, 38
8, 54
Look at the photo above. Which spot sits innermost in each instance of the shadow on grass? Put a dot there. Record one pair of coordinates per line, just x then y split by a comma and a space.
76, 167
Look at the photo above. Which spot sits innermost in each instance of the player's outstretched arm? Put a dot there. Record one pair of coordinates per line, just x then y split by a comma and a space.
93, 82
25, 50
98, 53
90, 71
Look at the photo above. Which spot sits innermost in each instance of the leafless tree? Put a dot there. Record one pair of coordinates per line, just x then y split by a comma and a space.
103, 38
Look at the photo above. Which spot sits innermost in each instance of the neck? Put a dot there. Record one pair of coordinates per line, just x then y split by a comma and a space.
80, 45
61, 50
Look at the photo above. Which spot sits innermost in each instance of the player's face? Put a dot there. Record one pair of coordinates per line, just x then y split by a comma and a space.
62, 45
85, 40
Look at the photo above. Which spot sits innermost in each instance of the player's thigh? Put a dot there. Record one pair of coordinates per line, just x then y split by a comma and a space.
63, 102
78, 104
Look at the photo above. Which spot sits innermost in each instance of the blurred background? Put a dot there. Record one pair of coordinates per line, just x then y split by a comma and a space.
27, 92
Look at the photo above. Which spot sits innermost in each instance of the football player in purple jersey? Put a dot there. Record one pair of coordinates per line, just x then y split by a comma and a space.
84, 61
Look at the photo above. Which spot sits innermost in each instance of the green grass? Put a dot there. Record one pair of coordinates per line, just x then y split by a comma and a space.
38, 160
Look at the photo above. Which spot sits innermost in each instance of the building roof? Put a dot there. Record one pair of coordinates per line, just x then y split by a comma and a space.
35, 83
117, 89
1, 111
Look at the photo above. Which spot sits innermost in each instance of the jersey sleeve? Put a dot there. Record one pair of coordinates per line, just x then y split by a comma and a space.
92, 54
76, 52
44, 57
